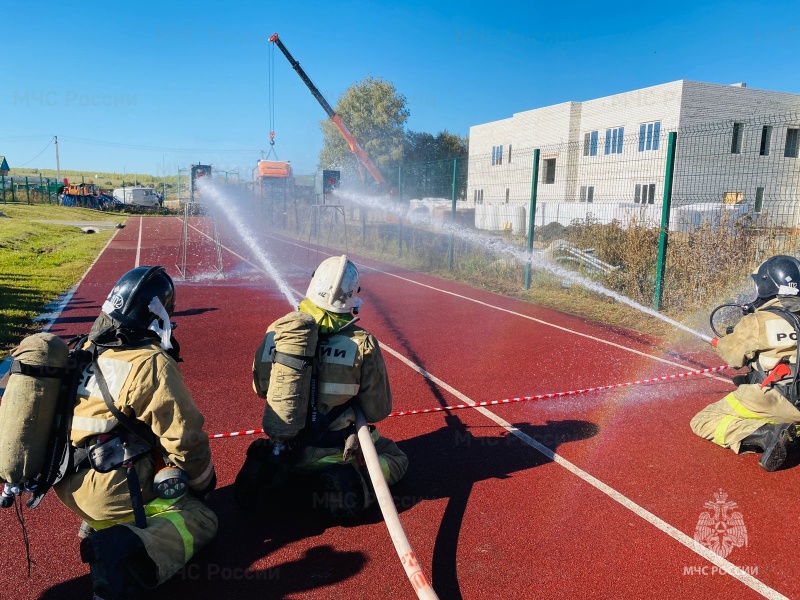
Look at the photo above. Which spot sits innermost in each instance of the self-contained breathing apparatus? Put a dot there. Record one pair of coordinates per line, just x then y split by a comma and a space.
777, 277
36, 418
38, 404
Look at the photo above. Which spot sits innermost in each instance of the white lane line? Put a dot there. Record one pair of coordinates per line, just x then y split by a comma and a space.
676, 534
517, 314
54, 309
139, 244
547, 323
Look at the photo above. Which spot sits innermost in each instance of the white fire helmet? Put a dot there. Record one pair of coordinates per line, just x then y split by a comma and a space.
334, 285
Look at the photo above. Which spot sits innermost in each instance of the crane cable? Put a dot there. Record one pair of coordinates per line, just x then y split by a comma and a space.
271, 100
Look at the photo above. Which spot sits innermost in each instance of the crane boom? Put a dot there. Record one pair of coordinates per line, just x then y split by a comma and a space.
335, 119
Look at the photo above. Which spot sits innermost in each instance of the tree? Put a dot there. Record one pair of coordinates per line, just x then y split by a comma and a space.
375, 114
425, 147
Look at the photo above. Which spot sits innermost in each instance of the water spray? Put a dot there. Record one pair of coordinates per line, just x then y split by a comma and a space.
521, 256
230, 211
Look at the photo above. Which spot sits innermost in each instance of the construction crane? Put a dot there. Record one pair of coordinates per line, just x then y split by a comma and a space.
336, 119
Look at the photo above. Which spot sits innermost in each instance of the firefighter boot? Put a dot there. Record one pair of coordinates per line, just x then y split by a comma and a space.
260, 473
118, 563
772, 440
342, 492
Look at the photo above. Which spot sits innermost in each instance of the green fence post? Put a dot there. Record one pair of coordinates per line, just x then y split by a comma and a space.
27, 190
3, 177
452, 217
13, 191
663, 237
531, 216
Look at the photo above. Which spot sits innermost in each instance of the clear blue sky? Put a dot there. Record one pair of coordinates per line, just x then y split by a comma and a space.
129, 87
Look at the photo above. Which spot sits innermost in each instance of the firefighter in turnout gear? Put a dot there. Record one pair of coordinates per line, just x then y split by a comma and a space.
142, 461
762, 414
312, 367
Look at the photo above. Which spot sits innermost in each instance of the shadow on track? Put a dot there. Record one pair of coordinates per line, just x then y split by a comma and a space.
447, 462
236, 564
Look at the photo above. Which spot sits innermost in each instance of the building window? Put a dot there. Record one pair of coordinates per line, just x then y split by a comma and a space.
587, 193
644, 193
478, 196
736, 139
508, 193
509, 154
759, 199
590, 143
614, 140
766, 136
549, 170
649, 136
497, 155
791, 143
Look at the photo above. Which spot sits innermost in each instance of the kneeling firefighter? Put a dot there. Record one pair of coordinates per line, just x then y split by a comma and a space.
313, 367
762, 414
135, 463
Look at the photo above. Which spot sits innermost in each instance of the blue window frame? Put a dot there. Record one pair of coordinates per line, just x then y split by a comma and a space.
614, 139
649, 136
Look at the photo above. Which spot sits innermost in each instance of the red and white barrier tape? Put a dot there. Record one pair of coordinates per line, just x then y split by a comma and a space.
422, 411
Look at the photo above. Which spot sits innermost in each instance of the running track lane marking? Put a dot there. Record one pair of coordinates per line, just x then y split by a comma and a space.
747, 579
139, 243
509, 311
676, 534
55, 311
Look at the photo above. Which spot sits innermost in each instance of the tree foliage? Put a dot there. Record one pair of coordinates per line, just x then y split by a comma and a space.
375, 114
425, 147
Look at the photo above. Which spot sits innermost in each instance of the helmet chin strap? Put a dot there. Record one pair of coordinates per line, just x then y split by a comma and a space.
164, 333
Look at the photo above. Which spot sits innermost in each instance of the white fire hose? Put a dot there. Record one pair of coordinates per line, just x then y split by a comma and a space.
398, 535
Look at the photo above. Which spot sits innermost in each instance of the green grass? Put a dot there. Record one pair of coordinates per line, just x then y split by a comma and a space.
40, 261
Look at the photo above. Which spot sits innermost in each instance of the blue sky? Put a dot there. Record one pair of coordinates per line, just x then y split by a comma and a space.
153, 86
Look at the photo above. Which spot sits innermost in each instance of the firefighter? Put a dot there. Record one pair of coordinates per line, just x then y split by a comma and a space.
762, 414
143, 463
313, 367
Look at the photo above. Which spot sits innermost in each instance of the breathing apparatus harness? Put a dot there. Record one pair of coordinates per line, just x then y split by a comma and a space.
122, 447
790, 312
315, 432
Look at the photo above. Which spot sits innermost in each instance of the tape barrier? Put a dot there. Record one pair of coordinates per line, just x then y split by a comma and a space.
600, 388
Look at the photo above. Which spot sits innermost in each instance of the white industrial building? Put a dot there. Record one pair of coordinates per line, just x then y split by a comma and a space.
736, 146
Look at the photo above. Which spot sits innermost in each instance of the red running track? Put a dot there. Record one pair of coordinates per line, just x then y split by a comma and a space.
595, 495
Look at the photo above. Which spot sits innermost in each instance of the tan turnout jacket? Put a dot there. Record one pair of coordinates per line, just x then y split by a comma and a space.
146, 384
762, 339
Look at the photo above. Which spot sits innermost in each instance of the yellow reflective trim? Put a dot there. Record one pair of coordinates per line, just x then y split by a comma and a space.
180, 524
719, 432
151, 509
744, 412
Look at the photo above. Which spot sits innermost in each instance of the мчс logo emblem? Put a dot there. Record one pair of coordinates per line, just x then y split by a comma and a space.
722, 529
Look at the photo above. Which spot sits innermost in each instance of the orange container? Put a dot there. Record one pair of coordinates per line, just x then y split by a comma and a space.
273, 168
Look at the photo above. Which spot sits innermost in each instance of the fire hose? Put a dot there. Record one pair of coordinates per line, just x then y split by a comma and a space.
386, 503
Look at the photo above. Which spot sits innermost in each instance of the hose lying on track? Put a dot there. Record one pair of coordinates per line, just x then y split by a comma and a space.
396, 531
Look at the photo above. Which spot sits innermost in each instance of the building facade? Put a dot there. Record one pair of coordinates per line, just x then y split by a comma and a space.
735, 145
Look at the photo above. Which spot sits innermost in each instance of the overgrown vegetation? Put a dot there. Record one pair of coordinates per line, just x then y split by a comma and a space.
40, 261
704, 267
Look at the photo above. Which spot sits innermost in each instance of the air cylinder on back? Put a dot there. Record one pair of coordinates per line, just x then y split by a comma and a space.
289, 387
29, 405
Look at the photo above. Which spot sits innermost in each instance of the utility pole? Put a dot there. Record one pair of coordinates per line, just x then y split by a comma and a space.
58, 164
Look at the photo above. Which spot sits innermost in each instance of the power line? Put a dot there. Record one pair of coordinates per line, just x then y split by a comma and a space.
160, 148
37, 156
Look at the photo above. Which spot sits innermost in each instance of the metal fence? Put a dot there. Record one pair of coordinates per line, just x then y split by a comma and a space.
673, 219
30, 190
